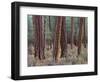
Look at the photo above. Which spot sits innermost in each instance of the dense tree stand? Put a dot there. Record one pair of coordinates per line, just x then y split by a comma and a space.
57, 40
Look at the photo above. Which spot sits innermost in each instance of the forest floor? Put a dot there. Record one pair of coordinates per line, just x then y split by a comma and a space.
71, 57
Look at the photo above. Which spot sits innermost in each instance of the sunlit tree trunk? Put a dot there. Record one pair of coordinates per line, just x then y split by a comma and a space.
57, 45
60, 39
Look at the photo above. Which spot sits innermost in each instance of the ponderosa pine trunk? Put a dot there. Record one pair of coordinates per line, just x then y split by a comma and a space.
39, 37
63, 38
60, 38
72, 32
81, 27
57, 45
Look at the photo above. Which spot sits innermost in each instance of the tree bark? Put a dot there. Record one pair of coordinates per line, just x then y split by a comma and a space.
60, 39
57, 45
84, 38
72, 32
39, 36
63, 38
81, 27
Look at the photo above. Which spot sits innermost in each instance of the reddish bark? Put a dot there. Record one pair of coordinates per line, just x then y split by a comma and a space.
63, 37
39, 37
57, 46
60, 38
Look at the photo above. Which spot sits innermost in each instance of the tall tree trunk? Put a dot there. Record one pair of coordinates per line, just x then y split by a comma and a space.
36, 42
42, 39
57, 45
63, 38
84, 38
39, 36
81, 27
60, 39
72, 32
75, 34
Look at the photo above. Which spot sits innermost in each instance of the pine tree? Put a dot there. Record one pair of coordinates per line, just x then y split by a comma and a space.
72, 32
60, 38
57, 45
63, 38
81, 27
39, 37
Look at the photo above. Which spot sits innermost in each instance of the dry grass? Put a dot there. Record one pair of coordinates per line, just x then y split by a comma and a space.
71, 57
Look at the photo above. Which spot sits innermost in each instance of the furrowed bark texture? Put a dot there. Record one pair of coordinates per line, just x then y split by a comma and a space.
72, 32
60, 38
63, 38
39, 36
57, 46
81, 27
